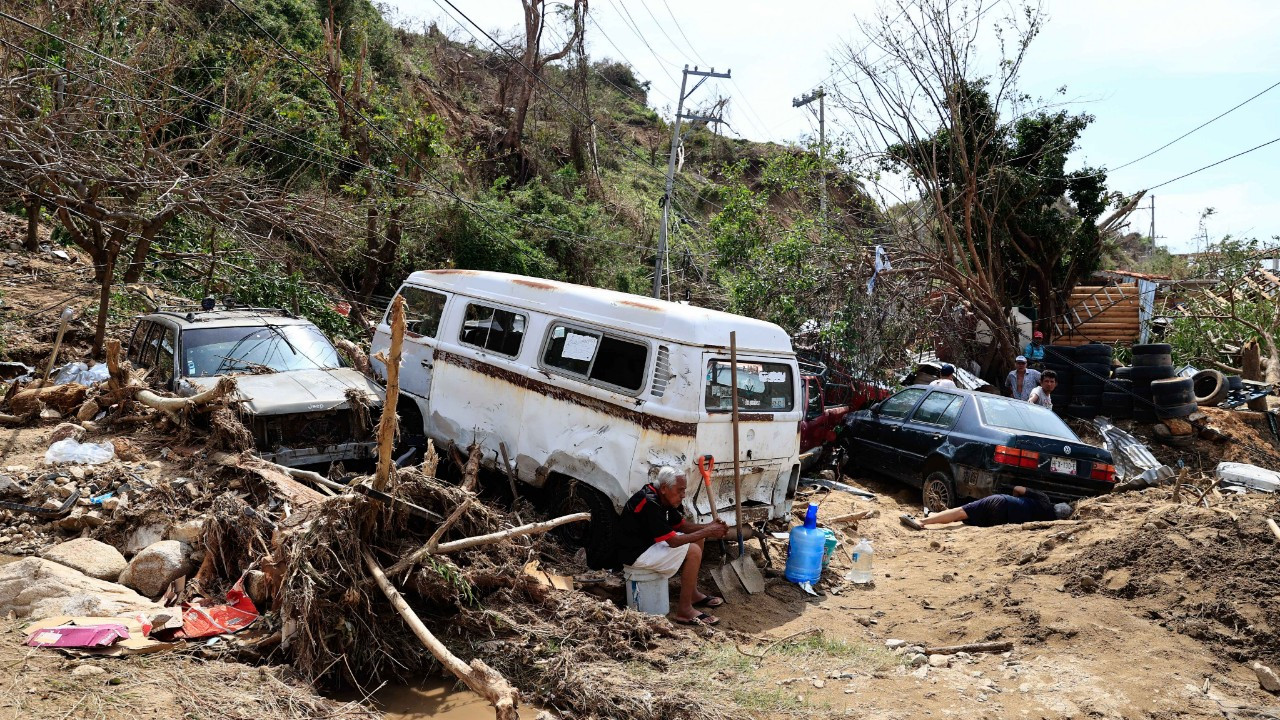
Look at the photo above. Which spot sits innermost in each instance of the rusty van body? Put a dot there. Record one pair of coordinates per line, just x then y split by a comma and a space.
592, 390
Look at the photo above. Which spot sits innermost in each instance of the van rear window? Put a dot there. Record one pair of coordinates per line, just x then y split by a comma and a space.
493, 329
762, 387
594, 356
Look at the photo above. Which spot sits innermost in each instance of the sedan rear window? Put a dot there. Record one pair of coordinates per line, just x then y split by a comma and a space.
939, 409
899, 405
1021, 416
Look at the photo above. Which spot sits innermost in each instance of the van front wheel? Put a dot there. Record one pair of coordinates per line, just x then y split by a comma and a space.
597, 536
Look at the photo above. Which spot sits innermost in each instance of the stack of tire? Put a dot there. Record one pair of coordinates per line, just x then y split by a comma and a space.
1117, 395
1092, 370
1151, 363
1061, 359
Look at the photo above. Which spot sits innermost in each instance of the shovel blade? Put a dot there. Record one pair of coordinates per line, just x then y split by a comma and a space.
748, 574
727, 583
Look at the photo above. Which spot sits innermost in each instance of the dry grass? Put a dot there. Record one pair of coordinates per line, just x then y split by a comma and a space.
37, 683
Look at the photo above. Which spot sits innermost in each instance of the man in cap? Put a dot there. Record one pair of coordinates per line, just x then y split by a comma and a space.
946, 376
1000, 509
1021, 380
1034, 351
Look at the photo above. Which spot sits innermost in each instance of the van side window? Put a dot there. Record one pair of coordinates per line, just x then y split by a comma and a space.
422, 311
595, 356
137, 340
164, 356
492, 329
151, 345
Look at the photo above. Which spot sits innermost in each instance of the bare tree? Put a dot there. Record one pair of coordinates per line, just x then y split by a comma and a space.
531, 63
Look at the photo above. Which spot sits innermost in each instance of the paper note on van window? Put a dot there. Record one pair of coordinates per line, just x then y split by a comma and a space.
579, 347
773, 377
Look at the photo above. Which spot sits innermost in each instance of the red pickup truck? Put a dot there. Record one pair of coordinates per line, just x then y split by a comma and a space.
826, 404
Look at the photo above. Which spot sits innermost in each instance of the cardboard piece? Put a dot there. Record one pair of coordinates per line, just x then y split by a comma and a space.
559, 582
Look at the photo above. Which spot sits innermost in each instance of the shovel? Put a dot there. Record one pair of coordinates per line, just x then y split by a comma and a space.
724, 577
744, 566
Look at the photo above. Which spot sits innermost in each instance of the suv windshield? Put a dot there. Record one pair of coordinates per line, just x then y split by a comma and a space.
1018, 415
271, 348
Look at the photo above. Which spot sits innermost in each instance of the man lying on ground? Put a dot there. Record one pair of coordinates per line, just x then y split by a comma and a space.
655, 536
1022, 506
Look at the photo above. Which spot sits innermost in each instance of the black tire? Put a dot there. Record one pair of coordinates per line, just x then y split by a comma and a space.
1093, 371
1235, 382
1176, 411
1181, 397
1152, 349
1059, 354
1122, 372
1094, 353
1118, 385
1083, 412
599, 536
1171, 386
938, 492
1152, 360
1147, 375
1210, 387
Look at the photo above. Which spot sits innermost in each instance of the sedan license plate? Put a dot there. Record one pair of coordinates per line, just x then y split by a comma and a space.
1062, 465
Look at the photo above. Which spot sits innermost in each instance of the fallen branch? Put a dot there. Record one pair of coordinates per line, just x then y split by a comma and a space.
173, 407
982, 647
465, 543
10, 419
478, 676
1275, 529
359, 360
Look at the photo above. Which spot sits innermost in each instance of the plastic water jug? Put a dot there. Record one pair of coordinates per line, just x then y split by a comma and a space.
804, 550
862, 557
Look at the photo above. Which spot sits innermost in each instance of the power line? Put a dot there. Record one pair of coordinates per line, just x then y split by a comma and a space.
1215, 164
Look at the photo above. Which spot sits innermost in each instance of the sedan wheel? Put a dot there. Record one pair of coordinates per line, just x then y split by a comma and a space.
939, 492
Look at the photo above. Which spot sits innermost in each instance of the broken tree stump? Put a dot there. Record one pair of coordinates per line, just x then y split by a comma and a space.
388, 424
478, 676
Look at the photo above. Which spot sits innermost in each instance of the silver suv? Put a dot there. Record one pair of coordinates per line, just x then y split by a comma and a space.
296, 395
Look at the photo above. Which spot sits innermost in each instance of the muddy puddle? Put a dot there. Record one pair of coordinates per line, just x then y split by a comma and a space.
437, 699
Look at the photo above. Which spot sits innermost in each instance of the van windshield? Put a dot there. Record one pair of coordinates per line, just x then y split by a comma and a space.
762, 387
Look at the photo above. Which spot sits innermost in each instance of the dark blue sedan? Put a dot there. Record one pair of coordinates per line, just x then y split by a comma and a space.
956, 444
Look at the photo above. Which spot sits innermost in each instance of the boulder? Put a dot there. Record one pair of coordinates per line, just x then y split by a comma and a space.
95, 559
36, 588
190, 532
159, 564
1266, 677
142, 537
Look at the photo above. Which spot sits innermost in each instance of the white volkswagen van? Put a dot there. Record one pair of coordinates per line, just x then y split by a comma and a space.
598, 387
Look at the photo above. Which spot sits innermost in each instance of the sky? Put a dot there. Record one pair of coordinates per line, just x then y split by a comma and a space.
1147, 71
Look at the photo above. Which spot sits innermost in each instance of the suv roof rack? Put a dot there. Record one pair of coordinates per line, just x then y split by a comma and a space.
191, 313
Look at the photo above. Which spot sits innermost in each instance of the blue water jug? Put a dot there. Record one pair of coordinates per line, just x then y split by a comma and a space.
805, 549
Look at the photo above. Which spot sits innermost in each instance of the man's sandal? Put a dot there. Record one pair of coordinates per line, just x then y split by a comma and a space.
701, 619
709, 601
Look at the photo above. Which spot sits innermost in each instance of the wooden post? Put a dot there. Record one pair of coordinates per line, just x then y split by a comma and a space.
478, 676
387, 425
1251, 369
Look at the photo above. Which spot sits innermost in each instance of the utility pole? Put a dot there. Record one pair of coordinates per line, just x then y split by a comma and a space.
671, 162
820, 96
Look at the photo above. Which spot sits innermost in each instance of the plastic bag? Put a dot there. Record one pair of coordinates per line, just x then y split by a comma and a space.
72, 451
78, 372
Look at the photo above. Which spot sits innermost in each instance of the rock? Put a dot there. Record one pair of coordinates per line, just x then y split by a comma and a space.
258, 588
819, 683
939, 661
142, 537
95, 559
50, 504
36, 588
921, 672
1024, 688
77, 473
7, 483
64, 491
159, 564
74, 522
126, 450
1266, 677
87, 671
87, 411
111, 503
1179, 427
917, 659
894, 644
50, 414
190, 532
1088, 584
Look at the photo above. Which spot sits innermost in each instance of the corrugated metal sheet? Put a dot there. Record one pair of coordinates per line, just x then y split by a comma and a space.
1132, 458
964, 379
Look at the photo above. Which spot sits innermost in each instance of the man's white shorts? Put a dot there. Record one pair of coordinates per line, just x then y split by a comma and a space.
661, 558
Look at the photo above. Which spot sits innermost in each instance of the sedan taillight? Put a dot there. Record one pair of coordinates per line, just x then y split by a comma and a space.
1103, 472
1006, 455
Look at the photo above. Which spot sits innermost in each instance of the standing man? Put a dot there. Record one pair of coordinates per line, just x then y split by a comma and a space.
1034, 351
654, 535
1021, 380
1043, 395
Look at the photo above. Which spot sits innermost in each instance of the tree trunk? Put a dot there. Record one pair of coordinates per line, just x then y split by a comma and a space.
32, 242
1251, 369
104, 304
139, 261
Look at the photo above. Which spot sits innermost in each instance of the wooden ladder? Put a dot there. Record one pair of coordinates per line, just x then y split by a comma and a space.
1113, 296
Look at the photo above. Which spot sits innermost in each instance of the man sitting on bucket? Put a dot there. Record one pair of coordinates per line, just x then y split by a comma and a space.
655, 536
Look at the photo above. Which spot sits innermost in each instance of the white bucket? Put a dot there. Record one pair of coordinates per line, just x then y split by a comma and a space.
647, 591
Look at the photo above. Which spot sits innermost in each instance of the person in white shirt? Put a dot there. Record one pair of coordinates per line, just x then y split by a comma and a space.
1042, 395
946, 376
1022, 380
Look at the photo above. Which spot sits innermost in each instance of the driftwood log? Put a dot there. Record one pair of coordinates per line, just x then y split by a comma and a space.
982, 647
120, 385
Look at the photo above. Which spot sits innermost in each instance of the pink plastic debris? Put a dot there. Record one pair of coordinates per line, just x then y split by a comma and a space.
78, 636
